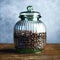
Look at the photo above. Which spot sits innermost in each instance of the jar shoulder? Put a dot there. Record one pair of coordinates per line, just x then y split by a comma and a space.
40, 22
18, 22
25, 22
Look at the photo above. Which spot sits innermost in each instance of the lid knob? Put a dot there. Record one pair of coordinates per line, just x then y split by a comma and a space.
29, 8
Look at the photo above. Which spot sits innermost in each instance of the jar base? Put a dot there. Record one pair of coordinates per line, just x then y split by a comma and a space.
24, 51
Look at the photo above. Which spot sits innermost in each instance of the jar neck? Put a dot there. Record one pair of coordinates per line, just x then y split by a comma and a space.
34, 19
30, 17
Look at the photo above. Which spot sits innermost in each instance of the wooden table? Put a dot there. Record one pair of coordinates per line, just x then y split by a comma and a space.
51, 52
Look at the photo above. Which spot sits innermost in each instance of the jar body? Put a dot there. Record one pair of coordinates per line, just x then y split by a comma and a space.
29, 36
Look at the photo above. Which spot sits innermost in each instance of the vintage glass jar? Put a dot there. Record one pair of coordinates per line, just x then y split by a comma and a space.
29, 32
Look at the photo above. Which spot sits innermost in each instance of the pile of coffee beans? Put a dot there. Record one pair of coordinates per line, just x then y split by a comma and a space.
29, 40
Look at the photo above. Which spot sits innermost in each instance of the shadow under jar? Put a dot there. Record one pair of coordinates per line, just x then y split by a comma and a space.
29, 32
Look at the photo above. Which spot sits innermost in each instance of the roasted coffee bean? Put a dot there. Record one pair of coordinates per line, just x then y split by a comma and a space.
28, 39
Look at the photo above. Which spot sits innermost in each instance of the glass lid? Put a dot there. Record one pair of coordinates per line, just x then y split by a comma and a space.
29, 13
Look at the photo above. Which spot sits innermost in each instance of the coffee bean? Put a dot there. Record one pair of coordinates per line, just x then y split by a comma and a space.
30, 40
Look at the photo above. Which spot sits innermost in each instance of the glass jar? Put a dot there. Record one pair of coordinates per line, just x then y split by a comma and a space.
29, 32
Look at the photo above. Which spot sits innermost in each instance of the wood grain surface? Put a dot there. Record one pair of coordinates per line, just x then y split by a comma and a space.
50, 52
